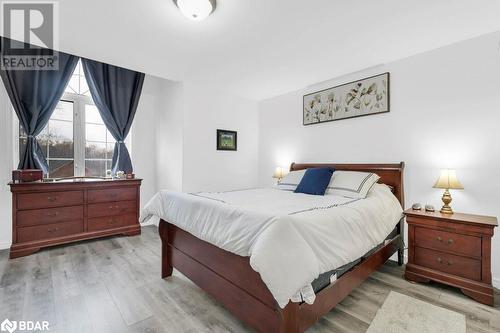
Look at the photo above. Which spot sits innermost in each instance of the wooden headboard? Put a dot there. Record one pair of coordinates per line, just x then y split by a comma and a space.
390, 174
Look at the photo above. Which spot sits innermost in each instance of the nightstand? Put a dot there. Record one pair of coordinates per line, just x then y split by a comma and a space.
451, 249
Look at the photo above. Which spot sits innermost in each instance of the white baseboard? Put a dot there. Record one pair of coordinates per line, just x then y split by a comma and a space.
496, 282
5, 245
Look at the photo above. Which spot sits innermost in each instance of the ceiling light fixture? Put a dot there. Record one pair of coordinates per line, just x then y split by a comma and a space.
196, 10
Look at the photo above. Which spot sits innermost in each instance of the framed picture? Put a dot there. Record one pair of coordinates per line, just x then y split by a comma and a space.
354, 99
227, 140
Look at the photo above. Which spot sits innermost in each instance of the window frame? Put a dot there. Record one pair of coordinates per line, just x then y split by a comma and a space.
79, 138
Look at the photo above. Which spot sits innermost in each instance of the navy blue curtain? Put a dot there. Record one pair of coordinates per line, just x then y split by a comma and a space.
116, 92
34, 95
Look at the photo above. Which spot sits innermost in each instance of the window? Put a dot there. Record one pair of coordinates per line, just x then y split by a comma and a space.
99, 143
75, 141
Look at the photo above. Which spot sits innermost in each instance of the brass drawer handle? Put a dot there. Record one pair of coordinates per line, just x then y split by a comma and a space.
51, 199
114, 207
113, 221
440, 239
52, 214
440, 260
52, 230
450, 241
450, 262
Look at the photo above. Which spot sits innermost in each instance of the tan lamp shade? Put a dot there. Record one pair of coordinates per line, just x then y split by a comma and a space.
279, 172
448, 180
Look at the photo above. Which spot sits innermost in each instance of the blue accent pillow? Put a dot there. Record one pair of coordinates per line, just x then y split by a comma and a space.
315, 181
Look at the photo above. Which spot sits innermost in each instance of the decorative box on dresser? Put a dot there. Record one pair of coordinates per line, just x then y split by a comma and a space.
52, 213
454, 249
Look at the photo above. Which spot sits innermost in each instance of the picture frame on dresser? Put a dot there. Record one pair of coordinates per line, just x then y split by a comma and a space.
453, 249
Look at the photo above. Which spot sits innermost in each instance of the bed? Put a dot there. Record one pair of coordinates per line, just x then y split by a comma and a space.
220, 265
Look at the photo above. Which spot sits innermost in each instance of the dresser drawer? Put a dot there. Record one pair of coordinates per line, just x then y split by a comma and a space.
48, 231
447, 241
111, 222
115, 194
448, 263
49, 215
112, 208
49, 199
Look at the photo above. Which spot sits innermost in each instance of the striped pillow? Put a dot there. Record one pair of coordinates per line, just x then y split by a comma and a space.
351, 184
290, 181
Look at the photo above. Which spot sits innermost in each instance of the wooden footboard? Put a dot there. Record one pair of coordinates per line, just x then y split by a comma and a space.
230, 279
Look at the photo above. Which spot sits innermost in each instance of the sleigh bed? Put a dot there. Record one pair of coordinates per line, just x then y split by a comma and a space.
231, 280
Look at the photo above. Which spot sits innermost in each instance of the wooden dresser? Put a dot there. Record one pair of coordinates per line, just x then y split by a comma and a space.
45, 214
451, 249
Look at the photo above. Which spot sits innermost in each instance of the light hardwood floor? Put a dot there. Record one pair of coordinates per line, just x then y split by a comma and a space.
114, 285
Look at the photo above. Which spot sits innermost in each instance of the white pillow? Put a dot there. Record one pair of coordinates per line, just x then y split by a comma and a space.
290, 181
351, 184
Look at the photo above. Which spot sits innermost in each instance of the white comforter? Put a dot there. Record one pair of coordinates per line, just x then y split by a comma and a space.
290, 238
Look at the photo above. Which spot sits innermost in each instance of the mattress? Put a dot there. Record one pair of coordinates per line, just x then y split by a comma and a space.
325, 279
291, 238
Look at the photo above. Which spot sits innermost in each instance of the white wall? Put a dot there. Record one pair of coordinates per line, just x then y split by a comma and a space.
205, 168
143, 137
169, 136
445, 113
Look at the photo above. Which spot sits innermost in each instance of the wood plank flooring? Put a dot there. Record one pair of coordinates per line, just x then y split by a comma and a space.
114, 285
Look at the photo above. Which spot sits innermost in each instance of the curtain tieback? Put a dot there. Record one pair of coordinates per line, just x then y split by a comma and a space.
119, 142
30, 136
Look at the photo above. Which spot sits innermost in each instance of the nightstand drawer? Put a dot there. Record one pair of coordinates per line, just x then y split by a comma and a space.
449, 242
448, 263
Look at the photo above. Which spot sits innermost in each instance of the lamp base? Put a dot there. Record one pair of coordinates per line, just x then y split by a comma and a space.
446, 209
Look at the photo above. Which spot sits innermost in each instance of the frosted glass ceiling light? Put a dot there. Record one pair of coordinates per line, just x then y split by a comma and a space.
196, 9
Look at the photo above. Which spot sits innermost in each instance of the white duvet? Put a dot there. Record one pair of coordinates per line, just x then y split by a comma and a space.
291, 238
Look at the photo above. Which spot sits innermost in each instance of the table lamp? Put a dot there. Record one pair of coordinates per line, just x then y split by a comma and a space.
448, 180
279, 172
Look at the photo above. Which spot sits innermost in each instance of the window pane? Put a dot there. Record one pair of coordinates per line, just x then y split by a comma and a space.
72, 86
95, 168
63, 111
95, 132
110, 150
61, 168
61, 149
95, 150
60, 130
43, 143
109, 164
92, 114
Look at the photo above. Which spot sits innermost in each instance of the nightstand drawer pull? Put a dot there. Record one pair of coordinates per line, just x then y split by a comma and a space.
440, 260
450, 241
440, 239
450, 262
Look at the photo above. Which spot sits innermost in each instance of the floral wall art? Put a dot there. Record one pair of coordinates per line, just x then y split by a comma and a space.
354, 99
